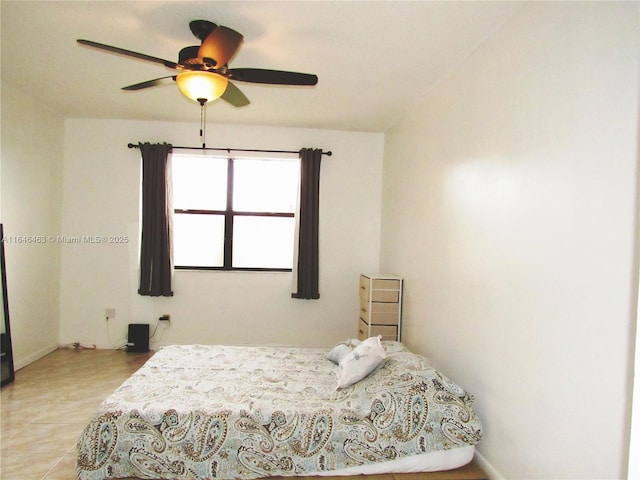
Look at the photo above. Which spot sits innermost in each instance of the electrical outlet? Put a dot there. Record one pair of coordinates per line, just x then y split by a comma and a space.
110, 313
165, 318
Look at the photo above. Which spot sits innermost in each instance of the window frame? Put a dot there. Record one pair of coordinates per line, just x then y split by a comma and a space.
229, 214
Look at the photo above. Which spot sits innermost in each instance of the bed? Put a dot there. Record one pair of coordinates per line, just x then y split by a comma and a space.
222, 412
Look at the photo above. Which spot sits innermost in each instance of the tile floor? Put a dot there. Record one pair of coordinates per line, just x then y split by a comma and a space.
43, 412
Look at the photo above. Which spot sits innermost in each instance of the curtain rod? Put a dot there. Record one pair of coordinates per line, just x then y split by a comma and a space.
328, 154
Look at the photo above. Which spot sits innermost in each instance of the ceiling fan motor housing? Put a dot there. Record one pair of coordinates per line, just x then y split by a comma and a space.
189, 56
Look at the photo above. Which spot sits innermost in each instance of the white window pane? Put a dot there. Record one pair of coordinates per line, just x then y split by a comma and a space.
263, 242
198, 240
265, 185
199, 183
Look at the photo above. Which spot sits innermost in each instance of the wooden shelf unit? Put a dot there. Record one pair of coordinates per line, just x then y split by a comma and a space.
380, 306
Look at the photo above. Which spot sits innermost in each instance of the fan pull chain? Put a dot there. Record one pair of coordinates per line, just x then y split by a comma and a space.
203, 121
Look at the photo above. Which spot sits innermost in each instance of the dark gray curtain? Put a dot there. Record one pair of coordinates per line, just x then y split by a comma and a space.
308, 265
155, 244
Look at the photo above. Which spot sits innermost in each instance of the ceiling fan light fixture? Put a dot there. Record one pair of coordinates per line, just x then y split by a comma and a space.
199, 86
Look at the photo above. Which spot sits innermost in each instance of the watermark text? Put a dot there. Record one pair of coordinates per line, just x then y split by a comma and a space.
66, 239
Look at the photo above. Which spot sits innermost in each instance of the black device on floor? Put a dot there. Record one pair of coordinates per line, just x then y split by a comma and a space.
138, 338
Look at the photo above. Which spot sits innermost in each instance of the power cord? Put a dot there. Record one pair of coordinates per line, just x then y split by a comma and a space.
123, 342
155, 329
78, 346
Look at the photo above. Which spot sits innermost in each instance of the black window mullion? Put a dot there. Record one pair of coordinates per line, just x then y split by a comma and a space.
264, 214
199, 212
228, 218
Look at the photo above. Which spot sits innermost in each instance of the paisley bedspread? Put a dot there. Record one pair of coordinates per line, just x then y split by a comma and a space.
223, 412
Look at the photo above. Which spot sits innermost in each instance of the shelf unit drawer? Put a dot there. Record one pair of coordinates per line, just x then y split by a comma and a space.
380, 290
388, 332
380, 313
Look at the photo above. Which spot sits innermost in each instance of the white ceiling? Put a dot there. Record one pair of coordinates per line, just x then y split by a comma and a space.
374, 59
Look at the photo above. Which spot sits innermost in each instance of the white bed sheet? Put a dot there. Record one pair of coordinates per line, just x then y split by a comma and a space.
425, 462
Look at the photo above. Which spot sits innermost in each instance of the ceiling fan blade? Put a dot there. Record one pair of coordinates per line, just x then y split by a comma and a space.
150, 83
234, 96
128, 53
273, 77
202, 28
220, 45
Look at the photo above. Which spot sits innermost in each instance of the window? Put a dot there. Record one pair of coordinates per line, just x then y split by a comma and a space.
234, 214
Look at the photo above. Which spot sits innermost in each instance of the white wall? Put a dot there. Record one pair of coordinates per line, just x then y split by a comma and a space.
32, 151
509, 209
634, 444
101, 186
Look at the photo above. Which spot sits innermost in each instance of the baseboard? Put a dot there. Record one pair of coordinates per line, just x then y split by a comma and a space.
491, 472
19, 363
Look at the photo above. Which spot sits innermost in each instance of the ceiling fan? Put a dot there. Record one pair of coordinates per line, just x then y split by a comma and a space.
203, 71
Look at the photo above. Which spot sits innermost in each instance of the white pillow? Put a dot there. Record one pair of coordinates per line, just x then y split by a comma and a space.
342, 349
360, 362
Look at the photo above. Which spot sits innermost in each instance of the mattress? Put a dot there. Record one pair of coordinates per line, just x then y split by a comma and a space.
222, 412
